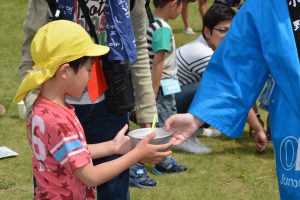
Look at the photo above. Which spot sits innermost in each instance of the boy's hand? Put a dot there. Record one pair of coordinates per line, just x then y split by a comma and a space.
122, 143
149, 153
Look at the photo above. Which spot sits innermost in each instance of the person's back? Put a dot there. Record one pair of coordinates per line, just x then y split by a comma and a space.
192, 59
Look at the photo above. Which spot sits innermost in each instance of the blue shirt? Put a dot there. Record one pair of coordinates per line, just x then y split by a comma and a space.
260, 41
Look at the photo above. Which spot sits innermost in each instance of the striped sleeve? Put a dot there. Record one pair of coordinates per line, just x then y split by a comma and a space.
67, 147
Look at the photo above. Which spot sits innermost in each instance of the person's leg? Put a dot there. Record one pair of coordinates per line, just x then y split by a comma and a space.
203, 7
185, 97
183, 102
166, 106
99, 126
138, 176
185, 15
185, 18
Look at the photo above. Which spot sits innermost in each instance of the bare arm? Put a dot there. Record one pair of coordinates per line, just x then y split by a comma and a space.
143, 152
157, 70
121, 144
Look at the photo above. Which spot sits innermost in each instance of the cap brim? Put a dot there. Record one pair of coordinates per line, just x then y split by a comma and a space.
97, 50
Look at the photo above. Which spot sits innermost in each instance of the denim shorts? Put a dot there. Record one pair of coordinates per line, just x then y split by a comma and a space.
166, 106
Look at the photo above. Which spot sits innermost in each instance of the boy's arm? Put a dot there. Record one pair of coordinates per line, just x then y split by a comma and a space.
101, 149
121, 144
143, 152
157, 70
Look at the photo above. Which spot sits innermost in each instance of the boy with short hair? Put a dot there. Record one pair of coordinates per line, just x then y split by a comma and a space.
61, 157
161, 47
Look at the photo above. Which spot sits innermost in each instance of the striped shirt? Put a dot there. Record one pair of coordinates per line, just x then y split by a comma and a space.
160, 37
192, 60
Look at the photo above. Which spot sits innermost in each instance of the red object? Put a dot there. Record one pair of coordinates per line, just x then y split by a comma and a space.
97, 84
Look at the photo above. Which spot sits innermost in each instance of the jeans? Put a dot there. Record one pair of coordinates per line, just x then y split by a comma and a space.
99, 126
185, 97
166, 106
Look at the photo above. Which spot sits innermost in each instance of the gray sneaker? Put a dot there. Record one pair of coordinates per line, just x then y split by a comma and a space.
193, 145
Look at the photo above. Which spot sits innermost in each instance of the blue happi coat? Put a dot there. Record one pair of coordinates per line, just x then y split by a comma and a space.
260, 41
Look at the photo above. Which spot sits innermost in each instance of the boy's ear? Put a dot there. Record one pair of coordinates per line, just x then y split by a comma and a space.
63, 71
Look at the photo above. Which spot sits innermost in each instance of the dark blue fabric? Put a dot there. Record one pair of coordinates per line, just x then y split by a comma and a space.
99, 126
66, 8
185, 97
119, 31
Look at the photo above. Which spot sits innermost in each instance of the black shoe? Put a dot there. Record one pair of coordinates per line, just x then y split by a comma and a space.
171, 167
138, 177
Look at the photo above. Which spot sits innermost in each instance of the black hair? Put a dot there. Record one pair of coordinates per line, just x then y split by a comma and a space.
163, 3
78, 63
231, 3
216, 14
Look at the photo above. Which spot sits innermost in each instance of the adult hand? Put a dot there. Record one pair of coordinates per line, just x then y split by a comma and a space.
261, 140
150, 153
182, 126
122, 143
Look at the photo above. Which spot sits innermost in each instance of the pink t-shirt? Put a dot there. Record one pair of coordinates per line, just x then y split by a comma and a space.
59, 147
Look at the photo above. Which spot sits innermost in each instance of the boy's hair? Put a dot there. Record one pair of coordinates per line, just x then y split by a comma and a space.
216, 14
163, 3
78, 63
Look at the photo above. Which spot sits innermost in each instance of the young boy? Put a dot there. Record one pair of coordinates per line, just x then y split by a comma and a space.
63, 53
161, 47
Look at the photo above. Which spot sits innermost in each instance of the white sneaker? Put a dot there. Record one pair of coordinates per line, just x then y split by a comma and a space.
211, 132
193, 145
189, 31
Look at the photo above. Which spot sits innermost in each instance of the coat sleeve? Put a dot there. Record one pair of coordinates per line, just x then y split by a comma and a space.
37, 15
141, 74
233, 79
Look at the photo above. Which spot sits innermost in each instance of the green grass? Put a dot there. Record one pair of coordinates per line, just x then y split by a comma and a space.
233, 171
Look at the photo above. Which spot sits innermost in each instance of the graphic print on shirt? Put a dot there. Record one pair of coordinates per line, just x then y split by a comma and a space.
38, 147
96, 10
296, 25
290, 160
294, 2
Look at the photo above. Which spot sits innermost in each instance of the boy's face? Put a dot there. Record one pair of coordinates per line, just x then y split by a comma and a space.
216, 35
77, 82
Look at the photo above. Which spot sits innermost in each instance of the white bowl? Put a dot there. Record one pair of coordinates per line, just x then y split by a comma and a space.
22, 110
162, 136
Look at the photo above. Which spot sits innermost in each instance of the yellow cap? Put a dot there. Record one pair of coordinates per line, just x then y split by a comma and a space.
54, 44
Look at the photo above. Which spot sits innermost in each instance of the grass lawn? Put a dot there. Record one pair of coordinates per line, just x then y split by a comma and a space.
233, 171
